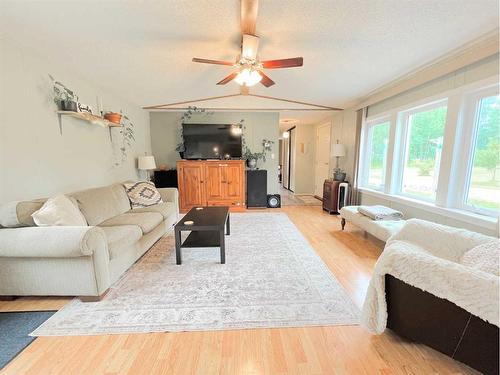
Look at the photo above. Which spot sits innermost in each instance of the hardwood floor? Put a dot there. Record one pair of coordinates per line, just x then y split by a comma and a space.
312, 350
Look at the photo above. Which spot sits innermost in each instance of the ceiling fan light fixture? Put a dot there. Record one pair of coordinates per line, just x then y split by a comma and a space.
249, 47
248, 77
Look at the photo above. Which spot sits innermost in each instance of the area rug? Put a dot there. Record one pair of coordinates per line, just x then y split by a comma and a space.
309, 200
14, 332
272, 278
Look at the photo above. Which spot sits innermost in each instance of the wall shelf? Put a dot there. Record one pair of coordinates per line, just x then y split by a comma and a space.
93, 119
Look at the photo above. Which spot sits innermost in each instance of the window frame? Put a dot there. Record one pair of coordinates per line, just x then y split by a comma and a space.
470, 116
366, 142
403, 144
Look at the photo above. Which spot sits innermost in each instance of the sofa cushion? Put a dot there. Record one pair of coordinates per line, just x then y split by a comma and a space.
120, 237
18, 213
484, 257
165, 208
147, 221
142, 194
100, 204
59, 210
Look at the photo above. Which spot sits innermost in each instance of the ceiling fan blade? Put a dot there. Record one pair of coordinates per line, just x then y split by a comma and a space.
227, 79
249, 10
216, 62
266, 81
283, 63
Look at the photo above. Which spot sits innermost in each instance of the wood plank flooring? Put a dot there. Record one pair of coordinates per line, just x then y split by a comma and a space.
311, 350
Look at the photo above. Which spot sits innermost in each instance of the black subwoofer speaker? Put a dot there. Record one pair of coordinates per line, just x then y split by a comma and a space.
257, 189
273, 201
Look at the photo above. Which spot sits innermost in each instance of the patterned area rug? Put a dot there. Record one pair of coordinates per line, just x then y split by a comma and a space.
272, 278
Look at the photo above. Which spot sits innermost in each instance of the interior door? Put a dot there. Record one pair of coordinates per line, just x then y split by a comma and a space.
193, 191
285, 157
215, 181
322, 162
233, 183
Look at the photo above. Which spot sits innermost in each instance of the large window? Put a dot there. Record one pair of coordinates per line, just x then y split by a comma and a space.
483, 183
423, 139
439, 154
376, 141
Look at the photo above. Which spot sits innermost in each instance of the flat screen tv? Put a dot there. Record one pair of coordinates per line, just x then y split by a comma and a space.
211, 141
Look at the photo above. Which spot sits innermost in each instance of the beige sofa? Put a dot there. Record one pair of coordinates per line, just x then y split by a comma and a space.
80, 261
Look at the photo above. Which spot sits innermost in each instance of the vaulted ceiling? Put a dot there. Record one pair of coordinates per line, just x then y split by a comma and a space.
143, 49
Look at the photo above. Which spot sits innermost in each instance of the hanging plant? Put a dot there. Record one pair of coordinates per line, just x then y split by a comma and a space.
127, 138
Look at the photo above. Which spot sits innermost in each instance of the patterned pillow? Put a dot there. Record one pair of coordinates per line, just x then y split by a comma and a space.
142, 194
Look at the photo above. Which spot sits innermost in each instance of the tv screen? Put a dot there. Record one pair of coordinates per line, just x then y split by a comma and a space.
211, 141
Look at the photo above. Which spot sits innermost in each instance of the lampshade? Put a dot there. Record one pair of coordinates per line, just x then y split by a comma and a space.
338, 149
146, 162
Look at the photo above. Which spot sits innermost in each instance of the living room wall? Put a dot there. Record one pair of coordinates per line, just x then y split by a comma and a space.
35, 159
258, 126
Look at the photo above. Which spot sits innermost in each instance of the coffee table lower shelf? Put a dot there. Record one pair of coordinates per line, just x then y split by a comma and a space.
205, 238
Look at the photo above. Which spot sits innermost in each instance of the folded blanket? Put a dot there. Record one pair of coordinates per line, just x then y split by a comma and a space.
380, 213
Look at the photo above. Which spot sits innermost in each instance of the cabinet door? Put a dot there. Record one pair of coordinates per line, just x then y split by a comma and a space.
234, 182
192, 189
215, 181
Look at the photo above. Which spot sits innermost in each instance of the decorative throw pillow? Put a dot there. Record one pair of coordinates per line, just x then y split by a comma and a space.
142, 194
483, 257
59, 210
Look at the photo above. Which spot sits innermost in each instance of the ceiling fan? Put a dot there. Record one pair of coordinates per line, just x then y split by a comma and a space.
249, 68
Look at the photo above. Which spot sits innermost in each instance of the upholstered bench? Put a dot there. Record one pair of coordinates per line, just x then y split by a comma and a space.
381, 229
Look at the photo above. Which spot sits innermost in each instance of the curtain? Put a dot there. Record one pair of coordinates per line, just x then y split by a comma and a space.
360, 119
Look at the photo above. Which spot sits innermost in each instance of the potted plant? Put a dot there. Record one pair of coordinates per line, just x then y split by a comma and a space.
65, 99
113, 117
253, 157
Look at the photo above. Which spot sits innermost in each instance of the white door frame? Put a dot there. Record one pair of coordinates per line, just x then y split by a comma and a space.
316, 161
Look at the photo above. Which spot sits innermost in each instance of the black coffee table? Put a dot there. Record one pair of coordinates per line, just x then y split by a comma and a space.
207, 230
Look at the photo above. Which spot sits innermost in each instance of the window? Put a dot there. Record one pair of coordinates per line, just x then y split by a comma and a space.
376, 141
423, 140
483, 185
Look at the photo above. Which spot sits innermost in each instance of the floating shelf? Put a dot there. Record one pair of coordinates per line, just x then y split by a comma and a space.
90, 118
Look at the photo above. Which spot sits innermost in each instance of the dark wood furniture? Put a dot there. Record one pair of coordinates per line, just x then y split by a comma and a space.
166, 179
211, 183
333, 195
257, 188
442, 325
207, 230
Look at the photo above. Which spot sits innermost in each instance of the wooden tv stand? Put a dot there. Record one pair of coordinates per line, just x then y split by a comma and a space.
211, 183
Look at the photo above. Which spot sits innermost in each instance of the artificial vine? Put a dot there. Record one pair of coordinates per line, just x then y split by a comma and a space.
186, 116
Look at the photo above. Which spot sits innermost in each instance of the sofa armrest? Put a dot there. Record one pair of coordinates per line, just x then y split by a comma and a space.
51, 242
440, 240
170, 195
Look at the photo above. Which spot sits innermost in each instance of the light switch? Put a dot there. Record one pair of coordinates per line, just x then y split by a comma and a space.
272, 156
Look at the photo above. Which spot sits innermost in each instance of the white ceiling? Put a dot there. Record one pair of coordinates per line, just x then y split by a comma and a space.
143, 49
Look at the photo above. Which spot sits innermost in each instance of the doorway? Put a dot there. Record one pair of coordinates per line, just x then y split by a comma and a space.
322, 162
288, 149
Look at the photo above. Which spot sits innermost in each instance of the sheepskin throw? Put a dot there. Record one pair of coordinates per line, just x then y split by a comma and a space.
427, 256
484, 257
142, 194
